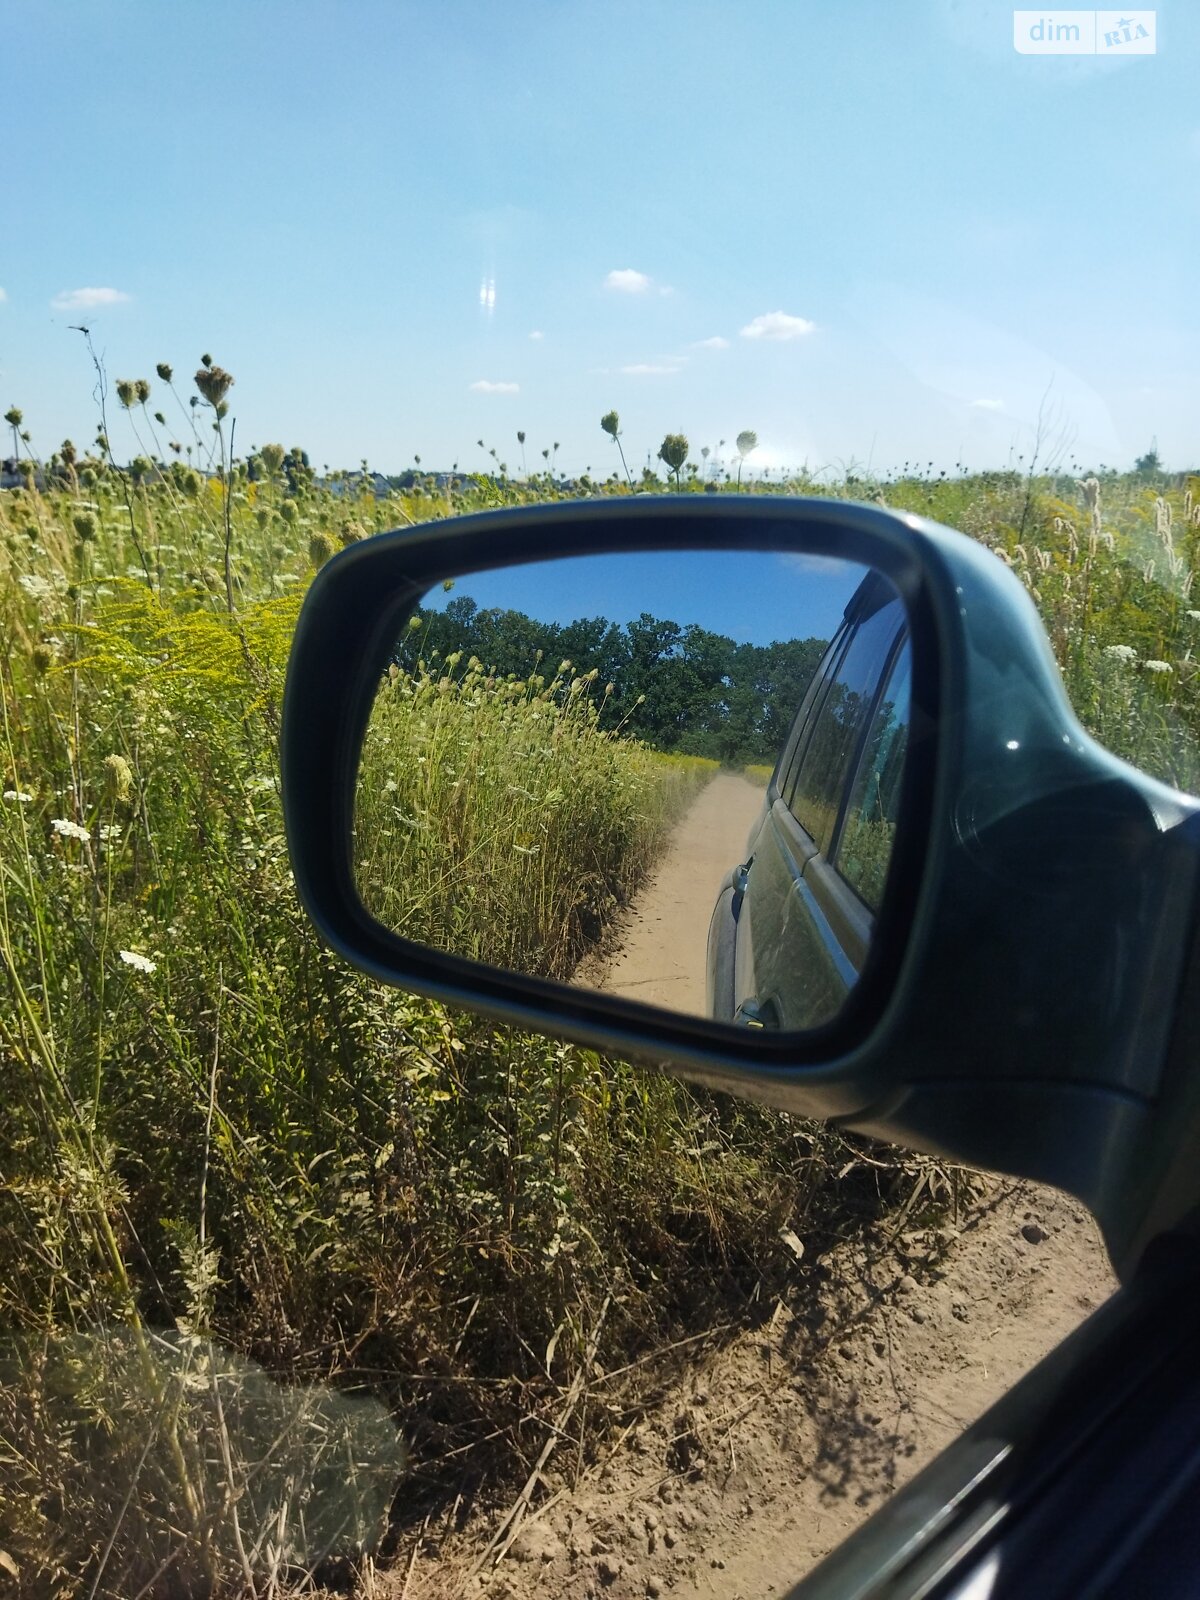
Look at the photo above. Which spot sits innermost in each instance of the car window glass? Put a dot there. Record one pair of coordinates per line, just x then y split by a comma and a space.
865, 845
809, 710
821, 776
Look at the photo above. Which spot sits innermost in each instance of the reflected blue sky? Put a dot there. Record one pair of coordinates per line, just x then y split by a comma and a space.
751, 596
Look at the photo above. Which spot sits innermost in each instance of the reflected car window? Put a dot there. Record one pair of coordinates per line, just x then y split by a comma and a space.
865, 845
821, 776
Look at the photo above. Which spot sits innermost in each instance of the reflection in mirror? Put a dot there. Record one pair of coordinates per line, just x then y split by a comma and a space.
670, 776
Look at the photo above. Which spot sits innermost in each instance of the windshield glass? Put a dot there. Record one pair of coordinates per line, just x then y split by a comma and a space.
302, 1280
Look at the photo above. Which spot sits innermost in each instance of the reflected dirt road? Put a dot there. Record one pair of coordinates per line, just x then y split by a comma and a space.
658, 950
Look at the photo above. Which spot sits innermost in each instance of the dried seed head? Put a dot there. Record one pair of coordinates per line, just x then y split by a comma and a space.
272, 457
214, 383
126, 392
84, 523
118, 778
320, 548
43, 658
142, 390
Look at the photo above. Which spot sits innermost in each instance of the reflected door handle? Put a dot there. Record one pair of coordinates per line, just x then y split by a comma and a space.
756, 1014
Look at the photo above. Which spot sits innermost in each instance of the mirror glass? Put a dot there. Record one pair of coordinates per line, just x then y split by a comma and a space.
670, 776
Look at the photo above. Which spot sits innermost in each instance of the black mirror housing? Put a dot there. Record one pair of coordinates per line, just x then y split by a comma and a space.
1017, 1005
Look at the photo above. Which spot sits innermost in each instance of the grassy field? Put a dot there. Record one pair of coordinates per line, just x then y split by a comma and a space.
215, 1132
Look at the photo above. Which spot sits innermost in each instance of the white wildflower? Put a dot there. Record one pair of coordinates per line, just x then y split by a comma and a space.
1159, 666
18, 796
69, 830
138, 962
110, 831
1120, 652
1195, 615
33, 584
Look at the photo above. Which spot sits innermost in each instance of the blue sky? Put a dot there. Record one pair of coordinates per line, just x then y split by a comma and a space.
872, 232
751, 596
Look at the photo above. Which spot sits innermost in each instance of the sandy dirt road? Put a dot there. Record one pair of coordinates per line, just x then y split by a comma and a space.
658, 949
772, 1448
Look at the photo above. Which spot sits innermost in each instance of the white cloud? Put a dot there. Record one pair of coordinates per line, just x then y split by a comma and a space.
715, 343
831, 566
485, 386
537, 334
987, 405
649, 368
627, 281
777, 325
3, 297
88, 299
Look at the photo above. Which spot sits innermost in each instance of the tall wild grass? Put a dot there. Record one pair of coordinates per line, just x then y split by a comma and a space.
227, 1159
506, 818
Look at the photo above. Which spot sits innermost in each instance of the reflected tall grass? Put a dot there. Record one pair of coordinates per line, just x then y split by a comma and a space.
505, 819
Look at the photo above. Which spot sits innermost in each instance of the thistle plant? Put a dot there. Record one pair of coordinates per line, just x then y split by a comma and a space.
611, 423
673, 450
13, 416
214, 383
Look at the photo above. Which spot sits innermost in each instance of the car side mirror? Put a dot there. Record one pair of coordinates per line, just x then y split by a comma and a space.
906, 890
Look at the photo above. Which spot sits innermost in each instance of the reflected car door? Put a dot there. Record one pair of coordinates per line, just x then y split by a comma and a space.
820, 859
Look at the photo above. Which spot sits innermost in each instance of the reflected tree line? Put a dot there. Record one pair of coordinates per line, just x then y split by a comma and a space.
681, 688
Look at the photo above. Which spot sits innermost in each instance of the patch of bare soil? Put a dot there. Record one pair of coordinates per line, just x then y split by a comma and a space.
770, 1451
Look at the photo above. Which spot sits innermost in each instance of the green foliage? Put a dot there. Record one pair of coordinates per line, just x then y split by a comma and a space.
680, 689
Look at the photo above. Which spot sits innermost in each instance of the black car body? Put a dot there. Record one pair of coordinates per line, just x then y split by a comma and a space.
791, 926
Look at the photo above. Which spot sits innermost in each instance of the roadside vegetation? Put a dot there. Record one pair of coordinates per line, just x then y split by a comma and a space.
224, 1153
